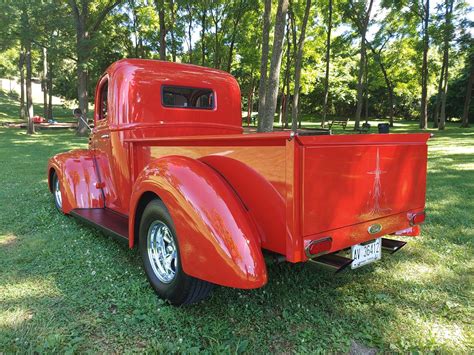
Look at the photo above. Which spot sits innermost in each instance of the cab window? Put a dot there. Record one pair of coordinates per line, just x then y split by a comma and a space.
103, 101
186, 97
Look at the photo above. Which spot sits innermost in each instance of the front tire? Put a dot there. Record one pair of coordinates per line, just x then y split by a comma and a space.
159, 250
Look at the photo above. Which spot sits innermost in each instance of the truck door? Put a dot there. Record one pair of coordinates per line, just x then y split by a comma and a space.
102, 146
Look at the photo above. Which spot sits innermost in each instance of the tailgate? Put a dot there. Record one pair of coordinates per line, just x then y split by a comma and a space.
352, 179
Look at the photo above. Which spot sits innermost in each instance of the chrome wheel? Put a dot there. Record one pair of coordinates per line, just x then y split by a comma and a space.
162, 251
57, 193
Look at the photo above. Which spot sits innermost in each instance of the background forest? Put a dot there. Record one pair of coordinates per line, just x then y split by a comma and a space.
311, 59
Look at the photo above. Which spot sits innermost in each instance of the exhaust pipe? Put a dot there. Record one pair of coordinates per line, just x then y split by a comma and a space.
333, 261
392, 245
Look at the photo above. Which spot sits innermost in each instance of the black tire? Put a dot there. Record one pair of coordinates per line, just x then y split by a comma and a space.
55, 183
182, 289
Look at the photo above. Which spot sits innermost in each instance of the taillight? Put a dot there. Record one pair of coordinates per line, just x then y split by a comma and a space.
417, 218
318, 247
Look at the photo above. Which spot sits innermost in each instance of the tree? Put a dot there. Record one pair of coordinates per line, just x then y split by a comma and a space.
21, 68
203, 32
377, 53
264, 62
467, 101
217, 14
299, 59
189, 17
328, 58
447, 38
271, 90
160, 7
360, 13
88, 18
26, 44
237, 15
172, 30
423, 11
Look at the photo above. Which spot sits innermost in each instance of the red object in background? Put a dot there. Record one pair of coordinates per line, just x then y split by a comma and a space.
230, 194
38, 119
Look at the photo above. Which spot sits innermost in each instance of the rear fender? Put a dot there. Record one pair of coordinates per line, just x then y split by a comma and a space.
78, 178
218, 242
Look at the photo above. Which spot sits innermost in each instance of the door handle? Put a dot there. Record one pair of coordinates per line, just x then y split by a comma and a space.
105, 136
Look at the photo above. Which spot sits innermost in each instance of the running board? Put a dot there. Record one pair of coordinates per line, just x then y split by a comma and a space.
108, 221
334, 261
392, 245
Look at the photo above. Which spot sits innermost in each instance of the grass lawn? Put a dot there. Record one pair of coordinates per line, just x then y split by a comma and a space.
67, 287
9, 110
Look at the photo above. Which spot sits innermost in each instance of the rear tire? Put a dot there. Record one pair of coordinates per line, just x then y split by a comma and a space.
56, 189
159, 250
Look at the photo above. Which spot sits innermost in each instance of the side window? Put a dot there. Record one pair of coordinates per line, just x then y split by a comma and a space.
103, 101
185, 97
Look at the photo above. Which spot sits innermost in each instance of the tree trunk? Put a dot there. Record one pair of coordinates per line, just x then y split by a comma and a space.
135, 28
171, 29
232, 44
363, 58
50, 92
161, 16
190, 27
82, 74
29, 98
366, 89
216, 20
467, 101
378, 57
389, 85
286, 85
438, 98
275, 64
299, 59
237, 17
203, 34
328, 58
264, 62
424, 68
250, 103
360, 84
442, 116
44, 82
447, 39
21, 67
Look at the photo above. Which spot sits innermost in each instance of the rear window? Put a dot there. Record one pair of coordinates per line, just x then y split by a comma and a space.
185, 97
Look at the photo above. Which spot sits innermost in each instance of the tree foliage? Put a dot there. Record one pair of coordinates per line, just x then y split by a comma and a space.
232, 34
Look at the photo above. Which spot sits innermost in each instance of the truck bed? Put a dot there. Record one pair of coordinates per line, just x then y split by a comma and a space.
302, 188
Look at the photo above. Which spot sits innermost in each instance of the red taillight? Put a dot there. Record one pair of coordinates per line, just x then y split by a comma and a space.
318, 247
417, 218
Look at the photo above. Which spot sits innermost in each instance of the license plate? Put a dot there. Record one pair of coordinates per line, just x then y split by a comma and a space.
366, 253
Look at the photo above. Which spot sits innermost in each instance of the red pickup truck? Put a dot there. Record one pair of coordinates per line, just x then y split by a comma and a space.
170, 170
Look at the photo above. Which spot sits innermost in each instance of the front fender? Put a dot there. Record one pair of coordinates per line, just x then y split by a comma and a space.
218, 242
78, 177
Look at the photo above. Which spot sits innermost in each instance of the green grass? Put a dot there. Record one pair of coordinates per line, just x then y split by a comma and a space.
67, 287
10, 108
